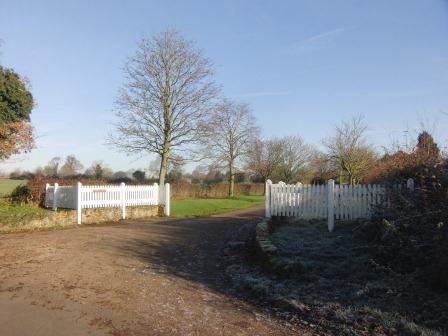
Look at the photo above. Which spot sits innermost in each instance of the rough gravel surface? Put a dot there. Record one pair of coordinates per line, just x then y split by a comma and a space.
161, 277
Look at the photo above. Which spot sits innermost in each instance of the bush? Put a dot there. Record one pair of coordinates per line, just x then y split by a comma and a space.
33, 192
21, 194
411, 232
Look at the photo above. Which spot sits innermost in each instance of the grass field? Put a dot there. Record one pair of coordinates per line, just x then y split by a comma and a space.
8, 185
209, 206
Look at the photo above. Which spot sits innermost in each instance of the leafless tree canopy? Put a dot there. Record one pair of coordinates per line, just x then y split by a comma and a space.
228, 133
348, 149
167, 93
264, 157
294, 158
71, 167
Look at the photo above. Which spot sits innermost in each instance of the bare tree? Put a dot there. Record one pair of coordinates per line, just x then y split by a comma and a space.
349, 151
98, 170
295, 155
52, 168
167, 93
264, 158
322, 167
228, 134
71, 167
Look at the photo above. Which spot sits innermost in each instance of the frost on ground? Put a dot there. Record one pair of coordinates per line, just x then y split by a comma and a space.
341, 290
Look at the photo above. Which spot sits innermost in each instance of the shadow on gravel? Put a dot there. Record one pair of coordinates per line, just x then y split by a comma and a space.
197, 250
216, 252
191, 249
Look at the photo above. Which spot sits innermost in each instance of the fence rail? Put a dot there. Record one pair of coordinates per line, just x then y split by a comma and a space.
102, 196
344, 202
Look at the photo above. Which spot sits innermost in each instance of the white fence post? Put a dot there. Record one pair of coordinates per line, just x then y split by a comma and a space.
410, 184
123, 201
55, 197
167, 199
268, 198
47, 185
78, 202
330, 210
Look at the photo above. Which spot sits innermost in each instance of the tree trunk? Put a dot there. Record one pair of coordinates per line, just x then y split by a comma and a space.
164, 165
231, 179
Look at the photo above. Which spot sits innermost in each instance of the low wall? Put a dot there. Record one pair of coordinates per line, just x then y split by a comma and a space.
62, 218
99, 215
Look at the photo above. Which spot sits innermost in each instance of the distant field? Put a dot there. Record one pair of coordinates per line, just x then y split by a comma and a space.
209, 206
8, 185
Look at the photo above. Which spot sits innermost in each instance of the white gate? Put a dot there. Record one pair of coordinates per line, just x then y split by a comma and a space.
329, 201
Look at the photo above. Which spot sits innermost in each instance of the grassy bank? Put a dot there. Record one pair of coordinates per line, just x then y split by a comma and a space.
8, 185
209, 206
341, 287
12, 216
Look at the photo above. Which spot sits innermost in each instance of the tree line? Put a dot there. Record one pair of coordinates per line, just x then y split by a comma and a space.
170, 106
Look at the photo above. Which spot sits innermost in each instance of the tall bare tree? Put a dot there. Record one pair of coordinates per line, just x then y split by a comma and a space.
295, 155
264, 158
322, 167
52, 168
228, 133
168, 91
349, 150
71, 167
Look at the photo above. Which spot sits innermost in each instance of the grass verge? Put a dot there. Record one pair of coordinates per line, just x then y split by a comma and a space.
8, 185
341, 289
209, 206
14, 215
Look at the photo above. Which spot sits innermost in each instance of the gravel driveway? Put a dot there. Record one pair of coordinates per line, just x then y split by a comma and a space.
161, 277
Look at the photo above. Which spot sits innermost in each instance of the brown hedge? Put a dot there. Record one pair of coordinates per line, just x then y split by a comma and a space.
185, 190
34, 191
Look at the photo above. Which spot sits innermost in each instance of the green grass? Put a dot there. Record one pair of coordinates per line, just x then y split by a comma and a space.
209, 206
8, 185
14, 214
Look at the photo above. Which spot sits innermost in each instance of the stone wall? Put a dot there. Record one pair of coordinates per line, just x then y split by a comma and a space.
66, 218
99, 215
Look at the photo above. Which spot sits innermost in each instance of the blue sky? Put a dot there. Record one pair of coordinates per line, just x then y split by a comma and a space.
303, 65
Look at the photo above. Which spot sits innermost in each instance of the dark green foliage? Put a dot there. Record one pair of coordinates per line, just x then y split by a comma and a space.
16, 102
426, 147
139, 175
98, 171
21, 195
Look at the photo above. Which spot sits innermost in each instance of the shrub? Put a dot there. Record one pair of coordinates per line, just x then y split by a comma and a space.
411, 232
21, 194
33, 192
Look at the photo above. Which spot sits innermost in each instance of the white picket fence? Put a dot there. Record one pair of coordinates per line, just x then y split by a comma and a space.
343, 202
102, 196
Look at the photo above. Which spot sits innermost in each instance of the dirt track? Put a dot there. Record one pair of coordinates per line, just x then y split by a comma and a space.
152, 278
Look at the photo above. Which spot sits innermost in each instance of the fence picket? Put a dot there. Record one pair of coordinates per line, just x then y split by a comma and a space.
312, 201
97, 196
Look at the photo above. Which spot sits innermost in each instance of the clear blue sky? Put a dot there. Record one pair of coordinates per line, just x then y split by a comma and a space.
302, 65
